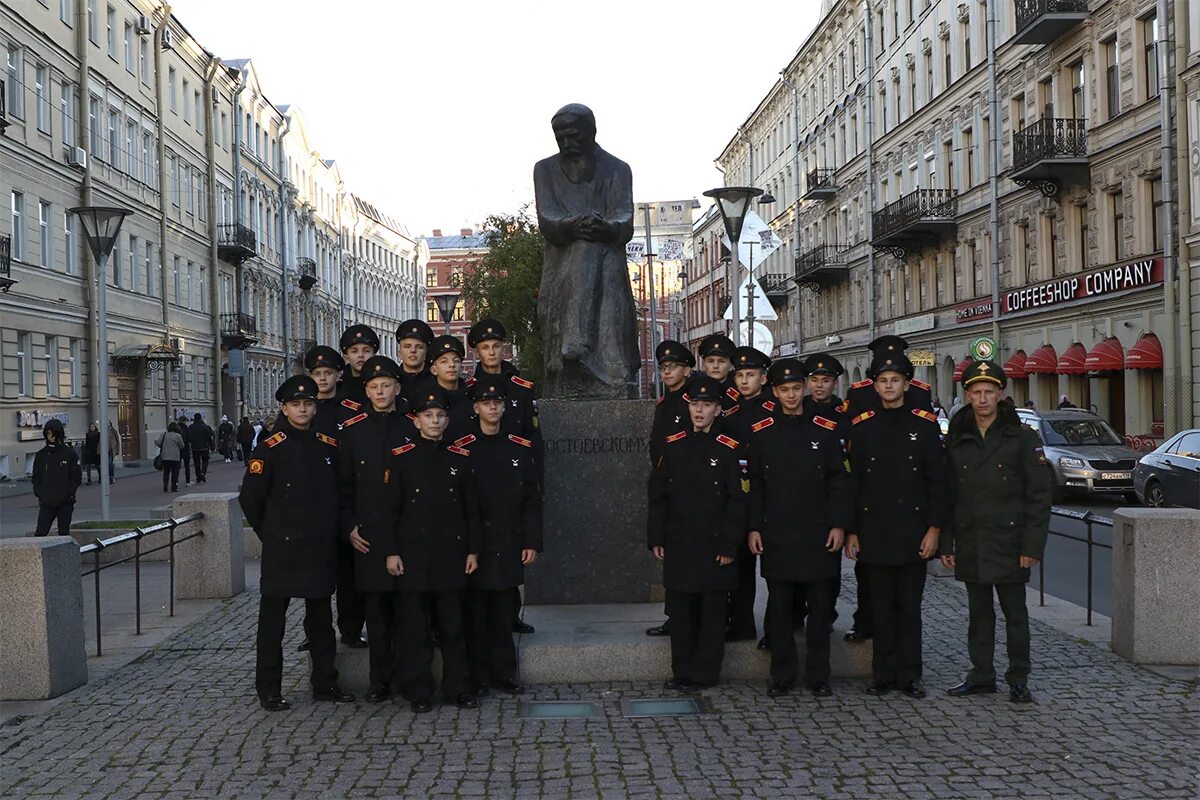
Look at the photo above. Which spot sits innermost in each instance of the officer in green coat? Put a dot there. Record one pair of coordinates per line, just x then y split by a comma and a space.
999, 517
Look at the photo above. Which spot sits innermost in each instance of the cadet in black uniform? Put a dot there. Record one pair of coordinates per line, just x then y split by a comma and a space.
900, 467
487, 337
754, 401
286, 492
675, 363
446, 355
697, 515
801, 502
510, 504
434, 549
716, 358
413, 338
358, 343
862, 395
369, 509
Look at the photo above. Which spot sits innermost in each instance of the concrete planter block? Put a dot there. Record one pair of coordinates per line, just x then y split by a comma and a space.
41, 618
212, 565
1156, 595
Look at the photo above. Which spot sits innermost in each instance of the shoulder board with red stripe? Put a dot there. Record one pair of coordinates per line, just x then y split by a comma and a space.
923, 414
733, 409
862, 383
512, 437
728, 441
827, 424
350, 404
686, 399
276, 439
321, 437
844, 407
464, 440
458, 450
919, 384
402, 449
519, 381
675, 437
863, 417
411, 416
762, 423
354, 420
470, 381
769, 405
732, 394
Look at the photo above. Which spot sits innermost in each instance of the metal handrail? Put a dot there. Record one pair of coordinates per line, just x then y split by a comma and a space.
136, 535
1088, 518
916, 205
1049, 137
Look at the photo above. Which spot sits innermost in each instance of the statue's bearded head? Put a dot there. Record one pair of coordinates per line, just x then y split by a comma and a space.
574, 129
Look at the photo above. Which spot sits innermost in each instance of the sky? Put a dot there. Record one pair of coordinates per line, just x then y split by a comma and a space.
436, 110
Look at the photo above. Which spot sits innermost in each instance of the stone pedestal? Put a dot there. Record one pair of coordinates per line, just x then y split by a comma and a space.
212, 565
597, 465
41, 618
1156, 597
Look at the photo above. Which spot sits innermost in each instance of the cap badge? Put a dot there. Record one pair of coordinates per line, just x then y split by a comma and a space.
820, 364
983, 369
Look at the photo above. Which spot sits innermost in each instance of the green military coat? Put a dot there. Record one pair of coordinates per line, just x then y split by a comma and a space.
999, 498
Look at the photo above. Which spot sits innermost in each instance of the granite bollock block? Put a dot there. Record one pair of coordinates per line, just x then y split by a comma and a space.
212, 565
597, 465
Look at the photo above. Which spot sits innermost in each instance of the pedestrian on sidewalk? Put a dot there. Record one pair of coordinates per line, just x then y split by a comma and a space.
91, 452
170, 448
288, 496
245, 439
114, 444
225, 439
56, 478
999, 519
185, 456
201, 439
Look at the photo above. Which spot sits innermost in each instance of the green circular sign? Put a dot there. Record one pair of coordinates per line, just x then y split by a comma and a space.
983, 348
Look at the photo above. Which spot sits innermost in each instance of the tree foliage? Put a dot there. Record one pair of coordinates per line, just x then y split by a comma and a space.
505, 284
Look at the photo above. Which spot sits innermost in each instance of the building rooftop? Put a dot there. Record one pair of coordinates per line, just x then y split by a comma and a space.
465, 239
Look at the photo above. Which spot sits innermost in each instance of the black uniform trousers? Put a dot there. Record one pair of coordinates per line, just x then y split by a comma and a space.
697, 634
60, 513
381, 611
491, 651
781, 626
318, 627
863, 612
896, 592
416, 674
741, 600
981, 631
200, 459
351, 613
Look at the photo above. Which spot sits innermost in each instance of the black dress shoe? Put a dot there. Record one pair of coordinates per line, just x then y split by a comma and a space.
821, 689
967, 688
354, 642
421, 705
275, 703
1019, 693
778, 689
332, 695
674, 684
377, 694
466, 700
511, 687
855, 635
879, 688
303, 648
659, 630
764, 643
914, 689
521, 626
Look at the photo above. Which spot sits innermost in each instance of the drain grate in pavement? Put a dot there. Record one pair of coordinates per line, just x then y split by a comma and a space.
663, 707
560, 709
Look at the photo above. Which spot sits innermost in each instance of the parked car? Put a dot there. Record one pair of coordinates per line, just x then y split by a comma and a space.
1170, 475
1084, 454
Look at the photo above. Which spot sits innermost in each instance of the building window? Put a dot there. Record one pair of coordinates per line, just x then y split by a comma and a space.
134, 253
1150, 54
1082, 236
1078, 91
199, 113
114, 260
94, 126
75, 366
18, 226
147, 159
151, 289
173, 167
947, 72
66, 108
52, 382
41, 91
175, 280
114, 144
129, 56
131, 158
912, 91
187, 108
187, 189
201, 197
1116, 214
47, 246
966, 39
1157, 220
69, 242
1112, 76
93, 22
16, 80
24, 365
111, 31
431, 312
191, 283
172, 96
144, 60
66, 12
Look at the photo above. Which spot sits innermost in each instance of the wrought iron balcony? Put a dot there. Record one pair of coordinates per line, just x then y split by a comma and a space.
776, 286
238, 331
6, 281
235, 242
306, 273
1051, 152
923, 216
1043, 21
823, 266
820, 184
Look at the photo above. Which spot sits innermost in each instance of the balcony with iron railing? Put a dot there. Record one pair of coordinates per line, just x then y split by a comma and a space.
1044, 21
306, 273
923, 216
238, 330
1051, 152
235, 242
776, 286
820, 184
6, 281
824, 265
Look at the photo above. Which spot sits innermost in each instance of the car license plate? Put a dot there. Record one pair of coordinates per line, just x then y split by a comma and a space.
1115, 476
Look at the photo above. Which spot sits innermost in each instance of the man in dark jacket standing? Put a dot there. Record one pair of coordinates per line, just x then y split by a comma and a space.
285, 496
200, 438
898, 462
56, 478
801, 502
697, 516
999, 517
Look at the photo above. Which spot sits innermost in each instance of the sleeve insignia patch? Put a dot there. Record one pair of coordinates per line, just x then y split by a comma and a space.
276, 439
512, 437
827, 424
769, 405
354, 420
464, 440
675, 437
860, 384
519, 381
762, 423
458, 450
256, 466
350, 404
923, 414
733, 409
919, 384
399, 451
321, 437
863, 417
728, 441
732, 394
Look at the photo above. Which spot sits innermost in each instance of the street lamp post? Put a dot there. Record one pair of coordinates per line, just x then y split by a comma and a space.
102, 225
654, 392
734, 203
446, 304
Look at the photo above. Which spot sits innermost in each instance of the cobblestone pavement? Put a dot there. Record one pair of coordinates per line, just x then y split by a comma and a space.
182, 722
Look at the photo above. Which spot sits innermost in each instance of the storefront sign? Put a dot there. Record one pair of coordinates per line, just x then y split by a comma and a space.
921, 358
925, 322
1084, 286
38, 419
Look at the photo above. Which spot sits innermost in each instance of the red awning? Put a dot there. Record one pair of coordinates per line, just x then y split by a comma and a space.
961, 367
1145, 354
1106, 356
1044, 361
1073, 361
1014, 368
